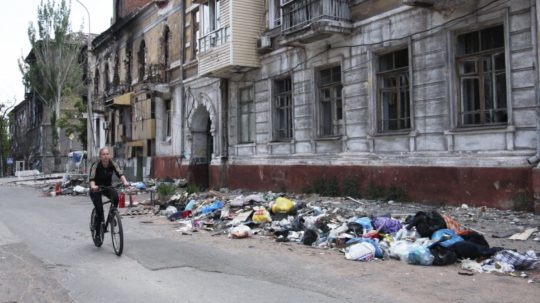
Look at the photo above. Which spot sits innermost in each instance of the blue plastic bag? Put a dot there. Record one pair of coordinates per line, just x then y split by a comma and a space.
210, 208
442, 234
420, 256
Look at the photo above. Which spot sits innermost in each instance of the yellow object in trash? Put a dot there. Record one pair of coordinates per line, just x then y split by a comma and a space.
282, 205
261, 215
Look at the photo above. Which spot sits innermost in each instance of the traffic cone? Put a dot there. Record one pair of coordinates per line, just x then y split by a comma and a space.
122, 200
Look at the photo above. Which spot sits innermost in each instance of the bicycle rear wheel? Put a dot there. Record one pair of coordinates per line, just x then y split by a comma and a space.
117, 234
93, 218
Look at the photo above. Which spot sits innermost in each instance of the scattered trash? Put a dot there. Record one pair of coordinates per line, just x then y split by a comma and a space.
524, 235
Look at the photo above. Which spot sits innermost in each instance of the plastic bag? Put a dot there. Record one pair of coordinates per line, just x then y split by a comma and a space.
261, 215
240, 231
400, 250
210, 208
419, 255
282, 205
405, 234
364, 251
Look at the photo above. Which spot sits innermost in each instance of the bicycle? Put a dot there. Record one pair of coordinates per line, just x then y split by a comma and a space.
113, 220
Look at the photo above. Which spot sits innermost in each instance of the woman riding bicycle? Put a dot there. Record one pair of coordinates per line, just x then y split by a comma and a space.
101, 173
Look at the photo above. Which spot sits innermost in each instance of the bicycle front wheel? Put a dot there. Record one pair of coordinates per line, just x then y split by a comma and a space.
93, 218
117, 234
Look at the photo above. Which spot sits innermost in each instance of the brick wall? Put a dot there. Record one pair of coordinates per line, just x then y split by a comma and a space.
128, 6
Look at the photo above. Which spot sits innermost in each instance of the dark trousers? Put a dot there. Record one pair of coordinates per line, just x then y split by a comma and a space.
98, 202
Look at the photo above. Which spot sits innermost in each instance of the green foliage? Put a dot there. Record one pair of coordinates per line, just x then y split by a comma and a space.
54, 68
393, 192
522, 200
396, 193
375, 191
72, 121
166, 189
192, 188
323, 186
350, 186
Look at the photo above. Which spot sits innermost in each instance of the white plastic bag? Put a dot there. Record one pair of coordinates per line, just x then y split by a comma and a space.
363, 251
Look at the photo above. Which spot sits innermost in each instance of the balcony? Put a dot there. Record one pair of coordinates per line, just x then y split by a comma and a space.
214, 39
311, 20
232, 46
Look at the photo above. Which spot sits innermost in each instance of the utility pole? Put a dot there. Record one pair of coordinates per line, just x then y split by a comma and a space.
90, 114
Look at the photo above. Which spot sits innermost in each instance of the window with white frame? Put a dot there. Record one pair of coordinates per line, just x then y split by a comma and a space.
210, 16
330, 101
481, 70
274, 13
167, 119
283, 109
246, 115
393, 108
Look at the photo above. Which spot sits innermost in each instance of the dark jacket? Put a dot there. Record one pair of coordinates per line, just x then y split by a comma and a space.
102, 175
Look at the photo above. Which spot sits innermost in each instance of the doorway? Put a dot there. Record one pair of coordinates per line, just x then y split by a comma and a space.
201, 148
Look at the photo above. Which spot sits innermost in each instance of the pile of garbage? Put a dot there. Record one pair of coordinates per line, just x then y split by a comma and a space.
349, 225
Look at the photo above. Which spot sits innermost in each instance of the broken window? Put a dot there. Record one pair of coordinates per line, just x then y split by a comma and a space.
246, 114
116, 73
96, 83
394, 111
274, 13
482, 77
167, 118
196, 33
283, 109
106, 80
211, 16
330, 101
142, 61
127, 65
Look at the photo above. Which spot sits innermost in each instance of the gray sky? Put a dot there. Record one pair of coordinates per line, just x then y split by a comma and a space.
14, 20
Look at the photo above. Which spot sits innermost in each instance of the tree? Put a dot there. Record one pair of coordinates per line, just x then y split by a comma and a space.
54, 69
5, 108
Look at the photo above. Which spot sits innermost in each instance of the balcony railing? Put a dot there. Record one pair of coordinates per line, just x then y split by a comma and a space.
297, 14
215, 38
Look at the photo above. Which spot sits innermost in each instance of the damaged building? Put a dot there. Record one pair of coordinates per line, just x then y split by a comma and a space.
435, 98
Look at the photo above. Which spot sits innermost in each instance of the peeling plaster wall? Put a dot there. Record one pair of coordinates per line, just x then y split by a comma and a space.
435, 138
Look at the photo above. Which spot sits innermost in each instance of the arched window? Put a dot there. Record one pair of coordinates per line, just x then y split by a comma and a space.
142, 61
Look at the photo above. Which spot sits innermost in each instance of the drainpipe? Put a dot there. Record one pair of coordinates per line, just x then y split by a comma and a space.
536, 158
181, 77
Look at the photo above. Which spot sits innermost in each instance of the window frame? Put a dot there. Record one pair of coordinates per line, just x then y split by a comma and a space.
167, 121
338, 124
478, 57
393, 72
276, 107
142, 60
273, 20
251, 116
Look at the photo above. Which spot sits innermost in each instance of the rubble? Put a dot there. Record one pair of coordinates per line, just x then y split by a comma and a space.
363, 230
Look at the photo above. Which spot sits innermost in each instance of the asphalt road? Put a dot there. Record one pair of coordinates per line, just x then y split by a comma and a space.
46, 255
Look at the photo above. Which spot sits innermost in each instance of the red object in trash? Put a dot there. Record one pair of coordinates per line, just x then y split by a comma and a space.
122, 201
57, 189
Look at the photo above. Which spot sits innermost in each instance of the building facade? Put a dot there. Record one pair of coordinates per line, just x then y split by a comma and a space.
435, 98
